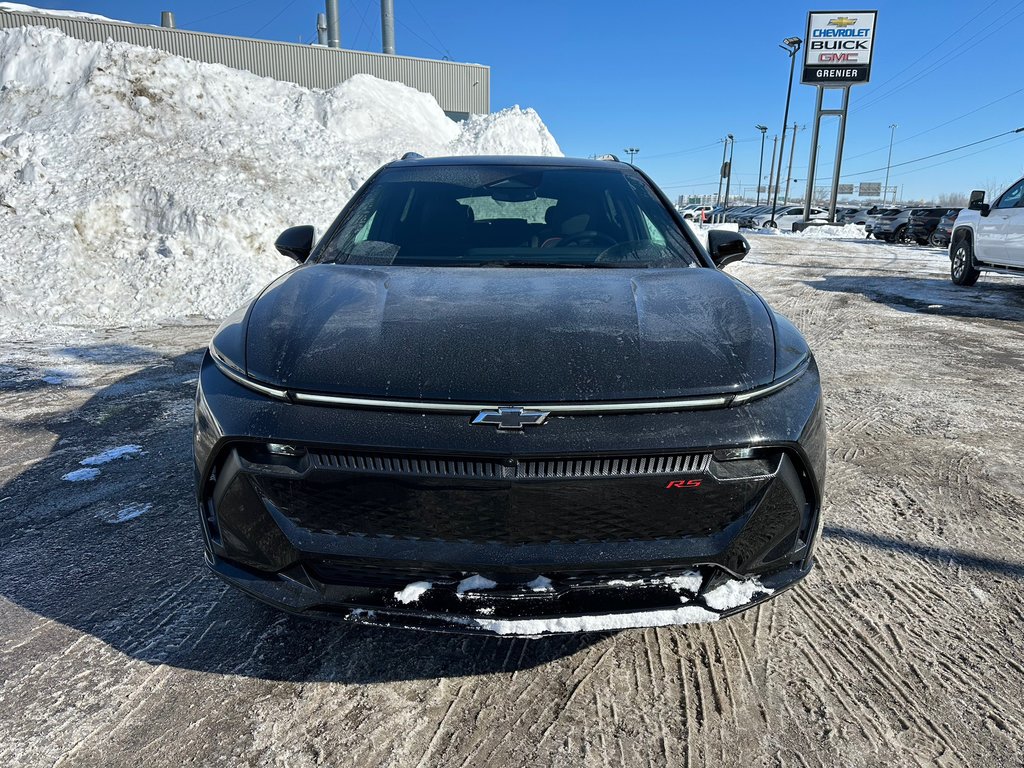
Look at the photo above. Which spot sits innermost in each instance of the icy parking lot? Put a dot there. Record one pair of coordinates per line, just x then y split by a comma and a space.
118, 649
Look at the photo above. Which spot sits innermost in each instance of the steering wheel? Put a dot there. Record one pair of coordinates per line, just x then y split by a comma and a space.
588, 234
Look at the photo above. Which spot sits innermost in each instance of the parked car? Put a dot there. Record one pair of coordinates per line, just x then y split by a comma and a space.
696, 212
786, 217
843, 211
923, 222
860, 215
510, 396
989, 238
944, 229
736, 212
746, 220
892, 227
871, 219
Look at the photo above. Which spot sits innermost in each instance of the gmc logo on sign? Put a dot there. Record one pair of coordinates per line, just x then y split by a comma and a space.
683, 484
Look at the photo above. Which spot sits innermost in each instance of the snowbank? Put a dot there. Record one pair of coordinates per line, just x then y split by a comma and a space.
833, 232
19, 8
138, 187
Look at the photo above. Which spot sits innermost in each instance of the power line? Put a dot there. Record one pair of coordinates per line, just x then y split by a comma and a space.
274, 18
362, 22
430, 29
220, 12
928, 157
881, 85
421, 37
965, 46
685, 151
940, 125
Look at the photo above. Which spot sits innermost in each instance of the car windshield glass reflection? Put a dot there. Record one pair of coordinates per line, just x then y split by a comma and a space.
509, 216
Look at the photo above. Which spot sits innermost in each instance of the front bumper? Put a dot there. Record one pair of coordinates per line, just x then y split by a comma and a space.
370, 508
689, 596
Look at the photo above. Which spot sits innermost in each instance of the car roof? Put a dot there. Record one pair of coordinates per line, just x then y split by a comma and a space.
524, 160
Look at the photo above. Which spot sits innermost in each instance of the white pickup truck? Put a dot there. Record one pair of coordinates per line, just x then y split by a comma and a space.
988, 238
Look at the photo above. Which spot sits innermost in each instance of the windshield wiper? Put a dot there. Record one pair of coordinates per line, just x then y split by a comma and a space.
559, 264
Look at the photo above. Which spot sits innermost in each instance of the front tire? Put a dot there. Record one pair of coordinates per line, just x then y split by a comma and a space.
900, 235
961, 269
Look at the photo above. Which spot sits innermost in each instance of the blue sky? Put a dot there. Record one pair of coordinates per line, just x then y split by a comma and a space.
673, 78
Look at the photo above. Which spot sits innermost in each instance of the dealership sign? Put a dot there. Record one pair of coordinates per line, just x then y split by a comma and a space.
838, 47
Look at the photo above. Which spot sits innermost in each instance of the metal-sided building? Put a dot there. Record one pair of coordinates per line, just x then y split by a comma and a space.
460, 89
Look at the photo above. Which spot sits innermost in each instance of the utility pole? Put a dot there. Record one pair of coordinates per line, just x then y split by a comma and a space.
387, 26
790, 45
632, 152
728, 180
888, 163
789, 178
721, 172
760, 166
771, 169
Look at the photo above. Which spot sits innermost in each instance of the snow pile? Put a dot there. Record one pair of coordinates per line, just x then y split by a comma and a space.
833, 232
687, 614
138, 187
19, 8
413, 592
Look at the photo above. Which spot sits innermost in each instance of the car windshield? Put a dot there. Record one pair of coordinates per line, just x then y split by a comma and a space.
509, 216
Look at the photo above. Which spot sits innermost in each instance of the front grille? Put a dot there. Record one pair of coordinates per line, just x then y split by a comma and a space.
406, 465
628, 466
515, 502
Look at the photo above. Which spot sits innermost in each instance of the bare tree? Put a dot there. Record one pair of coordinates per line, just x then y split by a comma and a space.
952, 199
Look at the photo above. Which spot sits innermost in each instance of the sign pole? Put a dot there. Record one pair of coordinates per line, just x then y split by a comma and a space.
812, 165
837, 56
839, 155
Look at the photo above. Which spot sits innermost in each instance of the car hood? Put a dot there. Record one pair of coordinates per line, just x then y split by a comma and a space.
505, 335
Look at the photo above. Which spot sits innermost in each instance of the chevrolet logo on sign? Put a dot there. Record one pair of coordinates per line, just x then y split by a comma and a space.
842, 21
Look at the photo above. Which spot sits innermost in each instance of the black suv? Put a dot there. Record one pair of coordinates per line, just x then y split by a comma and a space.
923, 221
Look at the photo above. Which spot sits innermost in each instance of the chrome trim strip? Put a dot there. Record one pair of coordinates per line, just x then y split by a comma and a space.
754, 394
689, 403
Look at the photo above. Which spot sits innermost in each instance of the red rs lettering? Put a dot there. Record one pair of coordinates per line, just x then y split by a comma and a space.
683, 484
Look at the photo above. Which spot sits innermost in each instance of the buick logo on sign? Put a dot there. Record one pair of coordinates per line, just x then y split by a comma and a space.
511, 418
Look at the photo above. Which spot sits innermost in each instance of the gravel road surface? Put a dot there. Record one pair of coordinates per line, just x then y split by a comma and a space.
902, 648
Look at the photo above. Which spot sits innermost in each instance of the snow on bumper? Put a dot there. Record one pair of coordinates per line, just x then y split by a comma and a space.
689, 597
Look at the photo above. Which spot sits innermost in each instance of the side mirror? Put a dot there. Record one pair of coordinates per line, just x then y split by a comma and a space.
296, 242
977, 202
726, 246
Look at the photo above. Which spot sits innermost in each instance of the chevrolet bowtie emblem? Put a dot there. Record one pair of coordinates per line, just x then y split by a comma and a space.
511, 418
842, 21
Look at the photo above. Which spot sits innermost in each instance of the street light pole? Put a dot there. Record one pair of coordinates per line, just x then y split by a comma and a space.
728, 180
791, 45
888, 163
632, 152
789, 178
760, 166
771, 169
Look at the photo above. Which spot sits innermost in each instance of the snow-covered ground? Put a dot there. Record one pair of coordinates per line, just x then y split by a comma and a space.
901, 648
137, 187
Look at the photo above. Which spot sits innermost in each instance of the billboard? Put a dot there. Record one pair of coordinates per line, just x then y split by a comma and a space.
838, 47
844, 189
870, 188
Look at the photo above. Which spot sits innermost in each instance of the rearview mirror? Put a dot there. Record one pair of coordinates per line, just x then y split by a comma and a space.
726, 246
977, 202
296, 242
